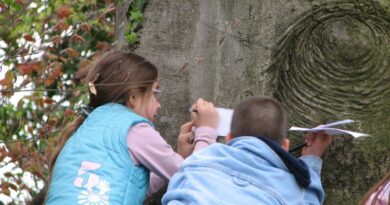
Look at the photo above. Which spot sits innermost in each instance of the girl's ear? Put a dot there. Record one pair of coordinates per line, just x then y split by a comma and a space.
286, 144
132, 101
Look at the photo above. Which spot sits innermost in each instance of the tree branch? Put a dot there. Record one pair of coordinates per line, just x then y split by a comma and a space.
121, 22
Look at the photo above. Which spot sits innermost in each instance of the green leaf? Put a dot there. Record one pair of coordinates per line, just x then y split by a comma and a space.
15, 6
132, 37
136, 15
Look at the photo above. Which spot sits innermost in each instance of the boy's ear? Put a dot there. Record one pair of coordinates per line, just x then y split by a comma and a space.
228, 137
286, 144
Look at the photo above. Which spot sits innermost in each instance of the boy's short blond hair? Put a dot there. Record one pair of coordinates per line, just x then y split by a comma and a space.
259, 116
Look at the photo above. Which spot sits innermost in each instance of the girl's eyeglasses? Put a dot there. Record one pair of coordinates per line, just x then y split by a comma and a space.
157, 93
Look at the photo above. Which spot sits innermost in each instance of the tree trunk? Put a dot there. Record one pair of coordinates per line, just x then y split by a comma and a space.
121, 23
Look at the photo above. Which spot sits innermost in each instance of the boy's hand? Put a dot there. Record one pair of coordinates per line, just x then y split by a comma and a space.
185, 141
206, 115
317, 142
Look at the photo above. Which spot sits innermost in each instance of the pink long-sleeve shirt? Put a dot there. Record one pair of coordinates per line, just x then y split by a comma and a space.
147, 147
381, 196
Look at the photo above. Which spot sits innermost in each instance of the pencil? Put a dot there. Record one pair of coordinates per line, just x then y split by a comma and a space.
297, 147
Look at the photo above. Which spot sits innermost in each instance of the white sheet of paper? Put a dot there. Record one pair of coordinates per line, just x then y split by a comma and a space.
341, 122
331, 131
225, 119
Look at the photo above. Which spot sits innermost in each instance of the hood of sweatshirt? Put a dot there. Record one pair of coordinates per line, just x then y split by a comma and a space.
275, 155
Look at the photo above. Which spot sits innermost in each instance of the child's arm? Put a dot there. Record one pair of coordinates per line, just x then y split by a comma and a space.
204, 136
147, 147
205, 119
187, 142
317, 144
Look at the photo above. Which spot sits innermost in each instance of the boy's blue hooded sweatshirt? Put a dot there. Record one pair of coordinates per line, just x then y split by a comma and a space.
95, 167
246, 171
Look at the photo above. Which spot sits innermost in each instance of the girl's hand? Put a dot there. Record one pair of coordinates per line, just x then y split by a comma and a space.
317, 143
185, 141
205, 114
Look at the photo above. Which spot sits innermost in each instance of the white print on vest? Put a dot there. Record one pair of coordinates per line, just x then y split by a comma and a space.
94, 188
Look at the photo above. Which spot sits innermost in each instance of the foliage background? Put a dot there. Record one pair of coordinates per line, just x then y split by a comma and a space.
46, 48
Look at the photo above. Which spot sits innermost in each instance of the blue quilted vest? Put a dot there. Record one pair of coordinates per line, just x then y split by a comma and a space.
95, 167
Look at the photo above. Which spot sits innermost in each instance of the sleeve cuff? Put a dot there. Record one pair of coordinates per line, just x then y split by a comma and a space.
205, 133
313, 162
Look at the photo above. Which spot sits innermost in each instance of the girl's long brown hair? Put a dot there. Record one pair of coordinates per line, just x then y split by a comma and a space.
374, 189
116, 76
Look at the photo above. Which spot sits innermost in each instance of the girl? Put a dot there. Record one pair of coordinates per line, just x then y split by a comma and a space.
379, 194
110, 155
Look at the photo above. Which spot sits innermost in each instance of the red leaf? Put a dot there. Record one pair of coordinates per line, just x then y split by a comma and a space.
52, 121
64, 12
85, 27
8, 174
57, 69
76, 38
21, 2
72, 52
5, 191
56, 39
61, 26
29, 37
69, 112
23, 151
48, 82
24, 69
51, 56
13, 150
13, 186
37, 66
39, 102
63, 60
47, 128
3, 153
84, 63
56, 72
5, 82
102, 45
48, 100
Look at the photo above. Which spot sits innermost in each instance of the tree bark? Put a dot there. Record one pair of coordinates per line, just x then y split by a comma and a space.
121, 23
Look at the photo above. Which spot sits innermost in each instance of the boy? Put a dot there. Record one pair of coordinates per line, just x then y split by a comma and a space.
254, 167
